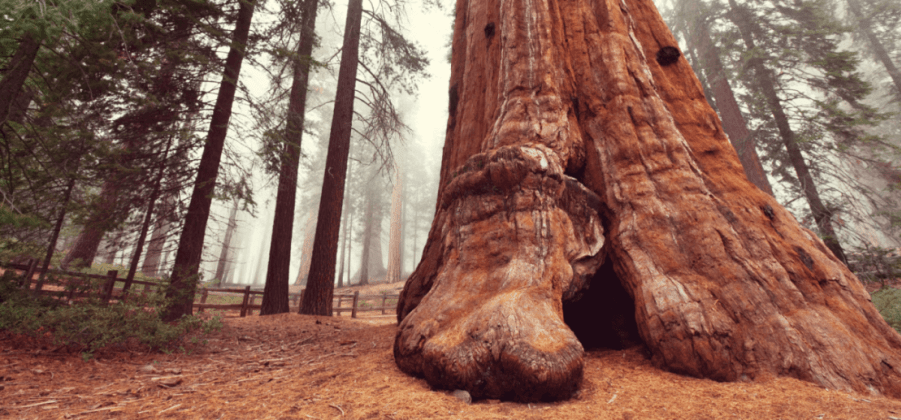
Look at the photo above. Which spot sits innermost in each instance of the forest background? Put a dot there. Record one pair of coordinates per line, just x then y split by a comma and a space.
106, 109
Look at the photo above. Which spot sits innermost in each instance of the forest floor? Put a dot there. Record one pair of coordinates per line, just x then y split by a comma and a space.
294, 366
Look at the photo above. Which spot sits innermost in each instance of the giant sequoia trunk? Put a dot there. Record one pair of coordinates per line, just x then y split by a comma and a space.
577, 136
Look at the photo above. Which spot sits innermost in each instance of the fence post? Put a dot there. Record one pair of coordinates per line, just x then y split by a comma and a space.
203, 299
353, 312
244, 302
108, 287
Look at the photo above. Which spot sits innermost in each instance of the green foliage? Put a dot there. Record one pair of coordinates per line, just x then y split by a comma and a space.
874, 263
888, 303
89, 326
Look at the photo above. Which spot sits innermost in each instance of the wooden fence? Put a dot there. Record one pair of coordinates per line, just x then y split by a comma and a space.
109, 291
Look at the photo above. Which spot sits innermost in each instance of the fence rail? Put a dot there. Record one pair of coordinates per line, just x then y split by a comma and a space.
108, 292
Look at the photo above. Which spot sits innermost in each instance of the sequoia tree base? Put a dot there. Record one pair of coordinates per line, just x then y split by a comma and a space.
571, 142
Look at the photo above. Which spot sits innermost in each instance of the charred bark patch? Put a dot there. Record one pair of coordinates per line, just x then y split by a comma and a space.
805, 258
489, 31
768, 211
668, 55
452, 104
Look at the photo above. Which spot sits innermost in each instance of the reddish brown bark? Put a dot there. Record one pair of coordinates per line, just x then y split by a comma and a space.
568, 143
317, 300
184, 278
394, 234
275, 298
16, 73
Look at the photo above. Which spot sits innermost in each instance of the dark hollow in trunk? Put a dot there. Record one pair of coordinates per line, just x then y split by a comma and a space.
603, 315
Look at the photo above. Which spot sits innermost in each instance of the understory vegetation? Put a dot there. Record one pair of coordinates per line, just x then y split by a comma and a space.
888, 302
90, 325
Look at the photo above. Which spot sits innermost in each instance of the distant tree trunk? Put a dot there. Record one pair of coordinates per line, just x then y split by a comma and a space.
376, 262
576, 136
226, 244
110, 249
306, 254
394, 235
51, 246
320, 286
98, 223
350, 243
148, 216
343, 246
865, 26
767, 84
259, 275
365, 257
151, 266
275, 296
16, 73
727, 107
183, 281
413, 233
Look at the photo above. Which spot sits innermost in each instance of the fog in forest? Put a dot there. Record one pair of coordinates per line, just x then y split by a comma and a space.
831, 63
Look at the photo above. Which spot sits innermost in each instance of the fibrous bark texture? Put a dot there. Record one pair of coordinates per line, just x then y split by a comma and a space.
568, 143
183, 281
317, 300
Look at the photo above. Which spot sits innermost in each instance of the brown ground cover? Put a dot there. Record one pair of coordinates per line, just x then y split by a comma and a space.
304, 367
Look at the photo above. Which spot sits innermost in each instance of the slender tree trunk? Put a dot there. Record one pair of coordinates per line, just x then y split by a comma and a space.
878, 49
727, 107
183, 282
259, 275
414, 232
151, 266
767, 84
320, 286
17, 72
350, 243
226, 244
394, 236
343, 247
576, 137
306, 254
367, 239
55, 235
110, 249
275, 297
376, 262
148, 216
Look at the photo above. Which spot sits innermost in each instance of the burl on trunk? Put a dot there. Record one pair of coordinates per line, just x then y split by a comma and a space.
577, 136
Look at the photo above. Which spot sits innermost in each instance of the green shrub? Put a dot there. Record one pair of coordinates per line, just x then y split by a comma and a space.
89, 326
888, 303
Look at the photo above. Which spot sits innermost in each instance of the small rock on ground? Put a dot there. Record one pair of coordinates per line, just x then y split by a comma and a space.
463, 396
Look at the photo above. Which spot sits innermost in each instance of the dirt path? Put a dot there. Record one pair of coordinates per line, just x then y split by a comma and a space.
302, 367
